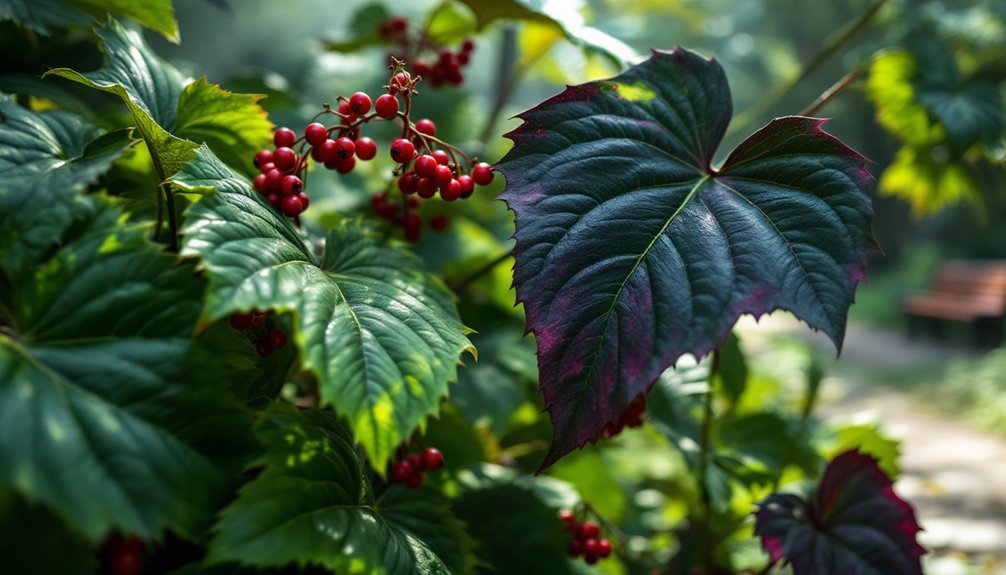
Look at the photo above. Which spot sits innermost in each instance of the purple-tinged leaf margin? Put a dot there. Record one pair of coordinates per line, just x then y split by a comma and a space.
633, 249
853, 525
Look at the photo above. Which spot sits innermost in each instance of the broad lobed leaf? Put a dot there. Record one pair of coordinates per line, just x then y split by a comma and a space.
854, 524
313, 505
44, 15
382, 336
633, 249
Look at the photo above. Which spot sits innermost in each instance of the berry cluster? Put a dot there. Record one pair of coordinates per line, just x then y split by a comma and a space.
631, 417
431, 60
266, 340
586, 540
123, 555
425, 165
408, 468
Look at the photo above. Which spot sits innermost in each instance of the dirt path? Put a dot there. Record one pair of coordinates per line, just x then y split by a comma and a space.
954, 475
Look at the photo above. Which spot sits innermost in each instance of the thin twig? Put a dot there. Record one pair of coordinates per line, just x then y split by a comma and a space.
832, 44
826, 96
705, 448
468, 279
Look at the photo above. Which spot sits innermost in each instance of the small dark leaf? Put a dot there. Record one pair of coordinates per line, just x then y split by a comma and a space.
853, 525
633, 249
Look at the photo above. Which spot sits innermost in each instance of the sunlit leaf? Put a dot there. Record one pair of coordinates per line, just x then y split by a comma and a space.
634, 249
44, 15
929, 180
382, 336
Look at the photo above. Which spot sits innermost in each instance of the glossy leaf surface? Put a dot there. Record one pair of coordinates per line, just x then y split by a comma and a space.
634, 249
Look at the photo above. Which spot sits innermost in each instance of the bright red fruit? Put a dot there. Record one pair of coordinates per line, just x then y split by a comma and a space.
386, 106
359, 103
426, 188
401, 471
441, 157
451, 191
482, 174
366, 148
402, 151
291, 185
467, 186
407, 182
426, 166
290, 206
426, 126
284, 158
603, 548
315, 133
344, 148
284, 138
262, 158
431, 456
588, 530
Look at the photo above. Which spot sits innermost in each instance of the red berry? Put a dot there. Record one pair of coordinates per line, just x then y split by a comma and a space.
398, 24
421, 68
284, 138
359, 103
315, 133
241, 321
277, 338
327, 152
588, 530
401, 471
426, 166
407, 182
284, 158
567, 516
441, 157
413, 220
482, 174
274, 198
575, 547
443, 176
463, 58
431, 456
128, 563
267, 167
258, 319
426, 188
426, 126
438, 223
451, 191
468, 45
467, 186
402, 151
414, 480
290, 206
366, 148
399, 83
345, 166
386, 106
274, 178
304, 201
590, 549
344, 148
413, 202
291, 185
603, 548
261, 184
263, 348
415, 460
262, 158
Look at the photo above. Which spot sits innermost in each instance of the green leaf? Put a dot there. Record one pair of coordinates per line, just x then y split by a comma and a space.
148, 86
172, 118
46, 161
930, 181
489, 391
381, 335
234, 126
364, 29
872, 441
33, 541
44, 15
98, 376
783, 223
450, 23
733, 370
506, 517
563, 18
313, 505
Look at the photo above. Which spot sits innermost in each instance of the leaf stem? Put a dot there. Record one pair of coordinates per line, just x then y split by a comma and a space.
468, 279
172, 219
826, 96
832, 44
705, 449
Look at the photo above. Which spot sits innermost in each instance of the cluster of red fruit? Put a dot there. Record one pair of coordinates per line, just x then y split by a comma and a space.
408, 468
631, 417
266, 341
447, 68
406, 215
425, 167
123, 555
586, 540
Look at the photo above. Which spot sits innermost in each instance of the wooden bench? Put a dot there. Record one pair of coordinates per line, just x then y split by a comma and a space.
964, 290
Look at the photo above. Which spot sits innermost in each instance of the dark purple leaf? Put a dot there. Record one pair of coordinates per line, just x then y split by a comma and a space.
633, 249
854, 525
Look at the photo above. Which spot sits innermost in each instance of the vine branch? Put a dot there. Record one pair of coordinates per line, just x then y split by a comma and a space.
488, 267
832, 44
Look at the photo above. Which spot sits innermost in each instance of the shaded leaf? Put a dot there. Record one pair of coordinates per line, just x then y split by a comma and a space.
632, 249
98, 377
382, 336
450, 23
363, 29
733, 370
34, 541
489, 391
853, 525
46, 161
44, 15
313, 505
